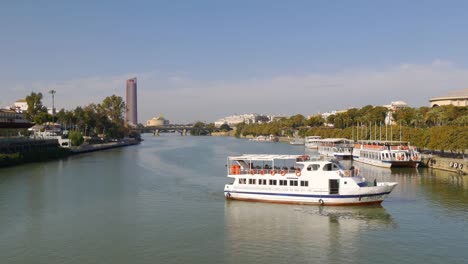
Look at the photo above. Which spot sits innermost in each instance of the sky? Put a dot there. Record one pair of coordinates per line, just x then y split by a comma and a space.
204, 60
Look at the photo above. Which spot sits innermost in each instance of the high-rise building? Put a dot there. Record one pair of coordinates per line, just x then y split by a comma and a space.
131, 114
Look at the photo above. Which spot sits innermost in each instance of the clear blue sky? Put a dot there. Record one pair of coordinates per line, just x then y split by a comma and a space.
228, 44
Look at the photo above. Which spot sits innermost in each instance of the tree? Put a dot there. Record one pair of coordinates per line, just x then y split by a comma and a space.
114, 107
225, 128
199, 129
76, 138
35, 108
315, 121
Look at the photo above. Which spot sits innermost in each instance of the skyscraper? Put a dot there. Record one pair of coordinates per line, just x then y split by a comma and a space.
131, 115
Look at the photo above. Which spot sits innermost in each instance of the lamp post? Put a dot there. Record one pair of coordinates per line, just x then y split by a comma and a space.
52, 92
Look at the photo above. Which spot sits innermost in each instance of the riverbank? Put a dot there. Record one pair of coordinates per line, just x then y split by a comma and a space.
28, 150
84, 148
456, 165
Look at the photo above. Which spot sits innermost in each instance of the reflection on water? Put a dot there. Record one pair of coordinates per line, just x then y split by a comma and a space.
162, 202
307, 232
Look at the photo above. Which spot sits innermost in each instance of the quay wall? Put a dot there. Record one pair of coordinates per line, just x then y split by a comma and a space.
457, 165
23, 150
96, 147
19, 151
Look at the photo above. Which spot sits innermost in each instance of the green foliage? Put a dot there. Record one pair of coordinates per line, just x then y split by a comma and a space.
440, 128
200, 129
96, 119
76, 138
36, 112
225, 128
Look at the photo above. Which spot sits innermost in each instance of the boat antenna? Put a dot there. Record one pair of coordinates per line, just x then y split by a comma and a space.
386, 136
391, 132
400, 131
375, 130
380, 128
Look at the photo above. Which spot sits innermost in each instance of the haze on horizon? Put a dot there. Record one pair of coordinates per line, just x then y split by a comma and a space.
204, 60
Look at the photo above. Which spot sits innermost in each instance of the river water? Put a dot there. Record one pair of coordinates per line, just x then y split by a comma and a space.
162, 202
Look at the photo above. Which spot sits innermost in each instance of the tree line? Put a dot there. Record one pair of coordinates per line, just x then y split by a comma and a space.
105, 119
440, 128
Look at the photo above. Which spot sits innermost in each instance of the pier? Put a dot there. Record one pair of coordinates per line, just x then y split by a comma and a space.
453, 164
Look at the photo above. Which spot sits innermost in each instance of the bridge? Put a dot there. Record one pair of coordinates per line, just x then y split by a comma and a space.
182, 129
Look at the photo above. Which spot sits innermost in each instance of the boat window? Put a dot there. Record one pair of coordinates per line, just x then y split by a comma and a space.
335, 167
305, 183
251, 181
283, 182
293, 183
313, 167
272, 182
242, 181
327, 167
262, 182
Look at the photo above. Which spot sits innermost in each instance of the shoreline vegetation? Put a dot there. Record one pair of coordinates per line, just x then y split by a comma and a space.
89, 128
442, 128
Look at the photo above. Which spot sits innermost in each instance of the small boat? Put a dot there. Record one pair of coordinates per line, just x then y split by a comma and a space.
312, 142
341, 148
301, 180
387, 154
270, 138
297, 141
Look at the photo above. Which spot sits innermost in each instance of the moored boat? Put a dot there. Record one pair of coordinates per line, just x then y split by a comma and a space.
312, 142
297, 141
387, 154
270, 138
298, 179
341, 148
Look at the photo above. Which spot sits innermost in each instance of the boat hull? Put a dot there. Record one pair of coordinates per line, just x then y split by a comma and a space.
388, 164
366, 196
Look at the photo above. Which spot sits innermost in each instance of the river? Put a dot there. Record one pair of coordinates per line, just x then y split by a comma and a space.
162, 202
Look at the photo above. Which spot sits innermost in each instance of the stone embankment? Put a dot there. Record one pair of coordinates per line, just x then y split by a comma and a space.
458, 165
95, 147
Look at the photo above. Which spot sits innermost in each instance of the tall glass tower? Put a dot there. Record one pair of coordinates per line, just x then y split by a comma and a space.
131, 114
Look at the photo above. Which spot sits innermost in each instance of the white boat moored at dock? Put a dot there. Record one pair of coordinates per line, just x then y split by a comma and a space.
387, 154
341, 148
298, 179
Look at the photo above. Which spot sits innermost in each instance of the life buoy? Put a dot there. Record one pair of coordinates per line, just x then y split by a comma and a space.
298, 173
262, 172
451, 164
460, 166
415, 158
320, 201
283, 172
347, 173
455, 165
273, 172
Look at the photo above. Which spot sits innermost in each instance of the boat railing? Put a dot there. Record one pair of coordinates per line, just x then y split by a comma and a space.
263, 171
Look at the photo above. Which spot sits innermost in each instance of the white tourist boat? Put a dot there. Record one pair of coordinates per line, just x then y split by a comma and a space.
341, 148
387, 154
298, 179
297, 141
312, 142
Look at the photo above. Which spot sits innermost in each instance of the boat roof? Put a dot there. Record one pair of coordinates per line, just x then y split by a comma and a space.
333, 140
383, 142
264, 157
